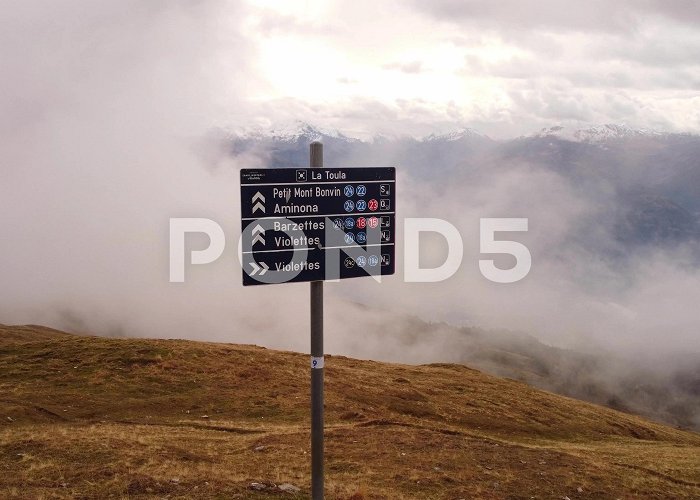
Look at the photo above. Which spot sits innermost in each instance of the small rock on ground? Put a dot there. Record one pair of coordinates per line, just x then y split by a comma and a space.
288, 488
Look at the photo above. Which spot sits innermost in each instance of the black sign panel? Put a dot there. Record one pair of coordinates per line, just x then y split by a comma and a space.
304, 224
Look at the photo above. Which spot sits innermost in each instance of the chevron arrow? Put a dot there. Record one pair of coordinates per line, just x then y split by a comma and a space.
258, 196
265, 268
259, 206
258, 234
256, 268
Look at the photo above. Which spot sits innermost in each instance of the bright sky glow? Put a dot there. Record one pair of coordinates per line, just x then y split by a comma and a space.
446, 63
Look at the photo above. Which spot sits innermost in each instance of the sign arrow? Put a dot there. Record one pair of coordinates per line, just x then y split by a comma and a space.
262, 268
258, 234
259, 206
258, 196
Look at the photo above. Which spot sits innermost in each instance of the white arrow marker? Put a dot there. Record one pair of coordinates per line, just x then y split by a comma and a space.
257, 268
259, 206
258, 196
258, 234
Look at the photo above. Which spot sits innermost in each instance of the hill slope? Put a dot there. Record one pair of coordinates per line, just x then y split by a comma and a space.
90, 417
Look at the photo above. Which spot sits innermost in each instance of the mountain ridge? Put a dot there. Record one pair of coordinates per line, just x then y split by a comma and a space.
291, 132
634, 173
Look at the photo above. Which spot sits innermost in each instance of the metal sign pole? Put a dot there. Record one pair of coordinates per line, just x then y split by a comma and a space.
316, 161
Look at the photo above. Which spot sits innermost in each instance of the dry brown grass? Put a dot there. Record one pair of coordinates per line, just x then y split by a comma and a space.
89, 417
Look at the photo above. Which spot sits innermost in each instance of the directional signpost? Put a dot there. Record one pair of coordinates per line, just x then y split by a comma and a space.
315, 224
301, 224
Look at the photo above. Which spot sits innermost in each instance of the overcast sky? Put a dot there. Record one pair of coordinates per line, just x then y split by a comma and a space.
506, 67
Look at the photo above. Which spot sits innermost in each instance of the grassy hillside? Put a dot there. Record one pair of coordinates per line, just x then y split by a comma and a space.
89, 417
665, 388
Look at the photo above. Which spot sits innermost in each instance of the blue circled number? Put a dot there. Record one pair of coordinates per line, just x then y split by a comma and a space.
361, 205
349, 205
361, 190
349, 191
349, 238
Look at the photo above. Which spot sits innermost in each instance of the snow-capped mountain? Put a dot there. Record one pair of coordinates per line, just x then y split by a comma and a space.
291, 133
296, 131
649, 179
598, 134
455, 135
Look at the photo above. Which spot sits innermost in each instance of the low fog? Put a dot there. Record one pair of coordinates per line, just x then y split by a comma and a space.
106, 112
